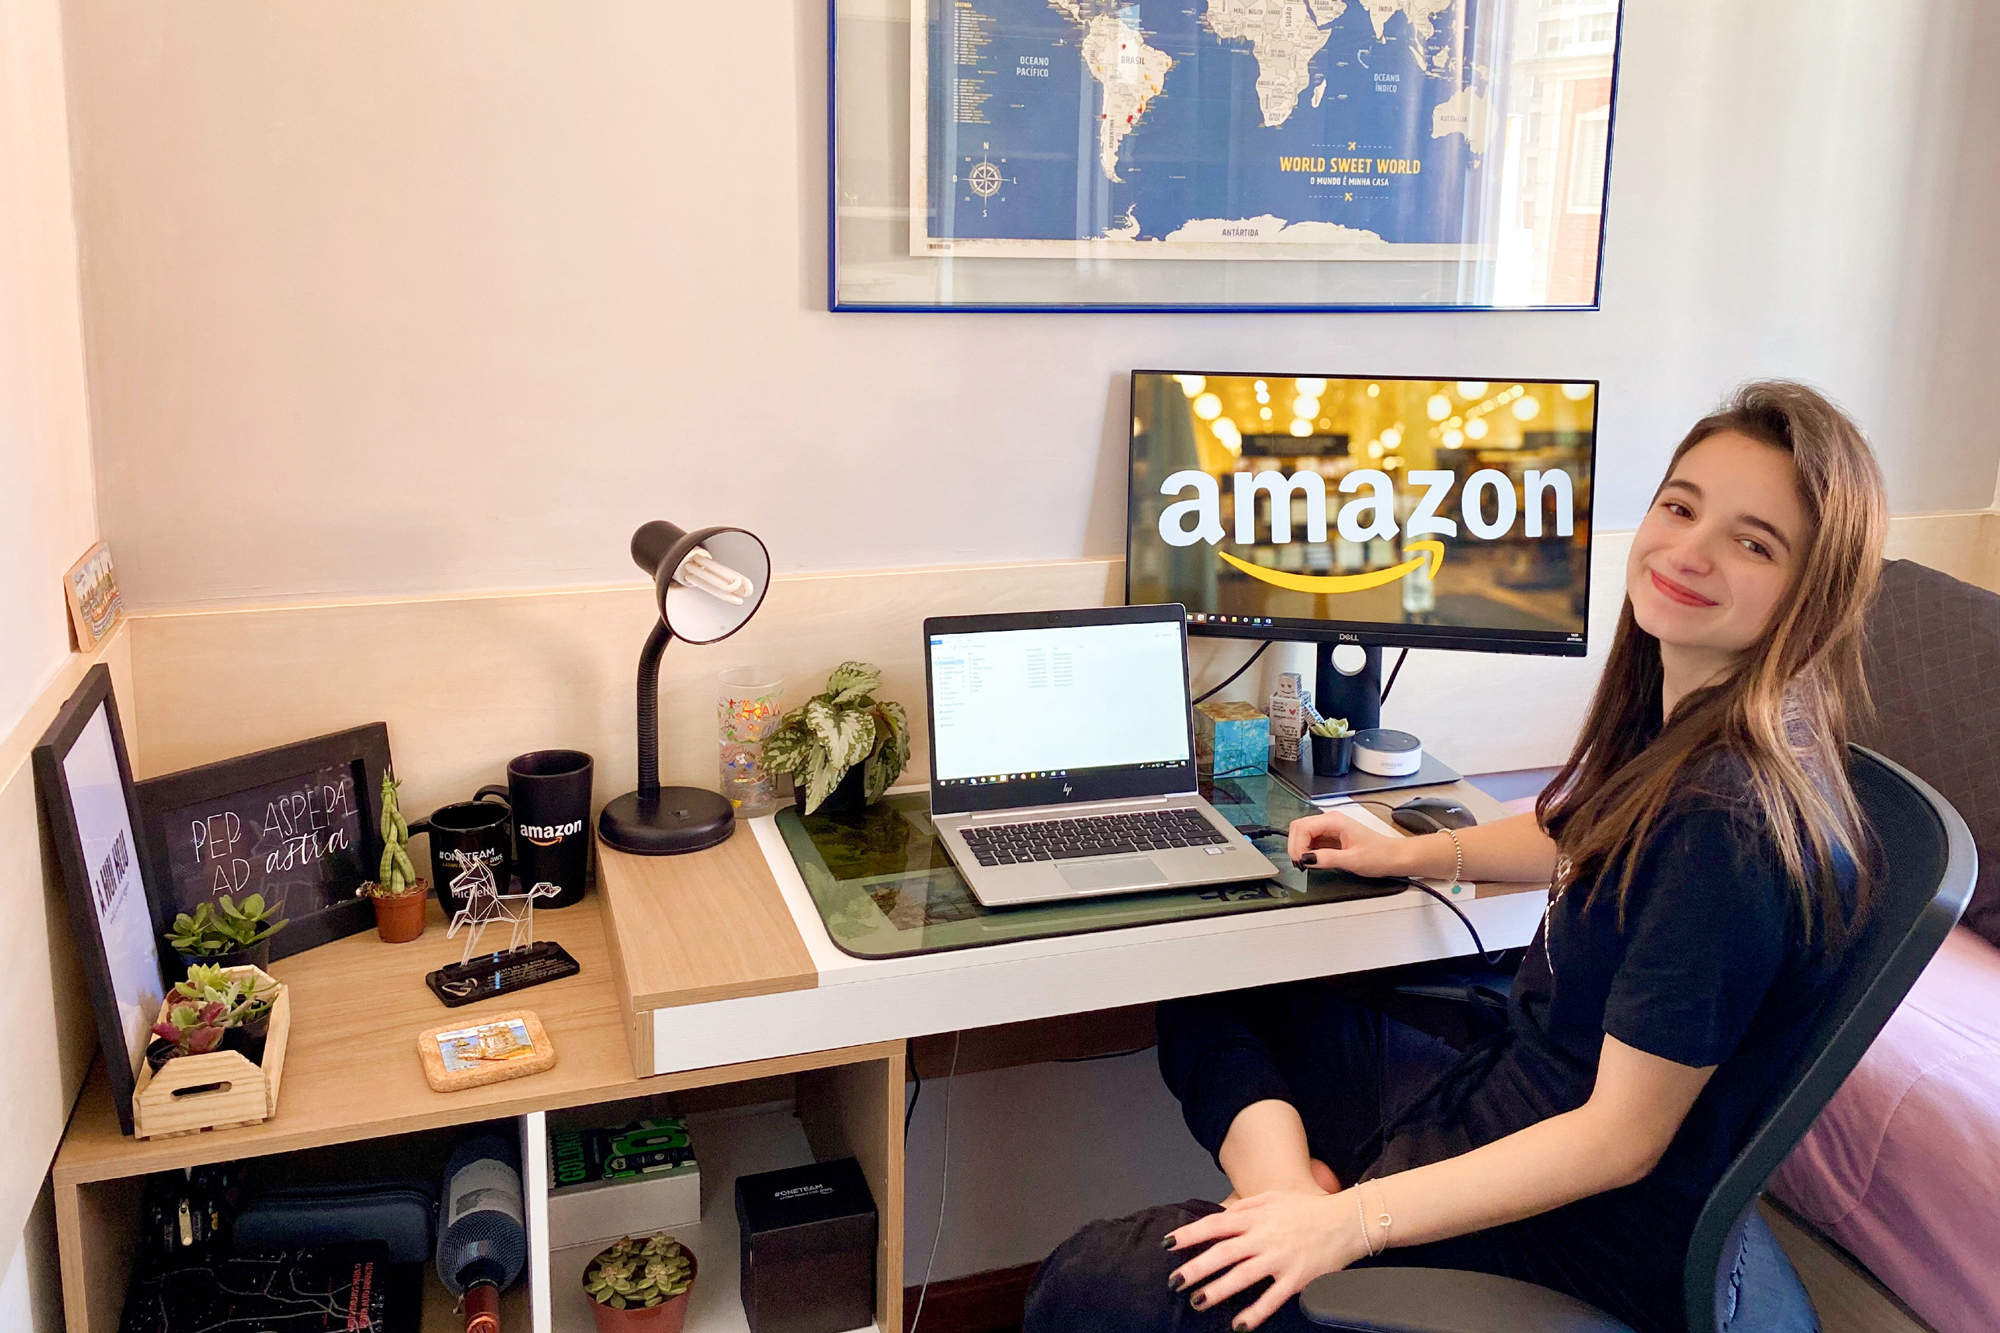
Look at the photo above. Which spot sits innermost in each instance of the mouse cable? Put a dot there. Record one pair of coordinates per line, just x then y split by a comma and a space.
944, 1183
1231, 678
917, 1081
1394, 672
1479, 945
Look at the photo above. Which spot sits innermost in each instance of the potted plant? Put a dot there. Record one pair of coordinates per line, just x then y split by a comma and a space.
843, 747
398, 894
226, 933
212, 1010
1333, 747
640, 1286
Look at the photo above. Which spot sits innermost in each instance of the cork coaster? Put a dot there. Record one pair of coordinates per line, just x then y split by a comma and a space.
490, 1050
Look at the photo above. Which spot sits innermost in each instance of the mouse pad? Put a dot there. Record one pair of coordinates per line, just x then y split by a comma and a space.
886, 888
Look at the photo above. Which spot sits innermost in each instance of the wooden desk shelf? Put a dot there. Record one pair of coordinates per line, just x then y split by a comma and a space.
352, 1074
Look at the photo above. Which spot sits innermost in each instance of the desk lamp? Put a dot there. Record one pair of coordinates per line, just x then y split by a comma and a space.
709, 584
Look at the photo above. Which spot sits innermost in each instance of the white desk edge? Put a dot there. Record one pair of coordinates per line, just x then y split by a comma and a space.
861, 1000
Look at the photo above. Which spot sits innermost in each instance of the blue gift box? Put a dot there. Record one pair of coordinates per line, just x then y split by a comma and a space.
1231, 739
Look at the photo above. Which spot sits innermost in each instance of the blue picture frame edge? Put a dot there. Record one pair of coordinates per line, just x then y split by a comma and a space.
836, 306
59, 816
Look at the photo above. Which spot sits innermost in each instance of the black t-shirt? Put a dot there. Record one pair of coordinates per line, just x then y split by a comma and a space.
1710, 965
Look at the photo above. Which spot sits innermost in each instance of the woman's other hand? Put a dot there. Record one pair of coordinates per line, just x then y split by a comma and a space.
1290, 1238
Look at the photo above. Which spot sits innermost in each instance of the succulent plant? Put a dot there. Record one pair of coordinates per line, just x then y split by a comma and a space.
396, 876
194, 1029
638, 1274
225, 926
838, 728
242, 999
1333, 728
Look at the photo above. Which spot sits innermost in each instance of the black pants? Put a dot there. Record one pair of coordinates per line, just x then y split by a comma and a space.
1348, 1069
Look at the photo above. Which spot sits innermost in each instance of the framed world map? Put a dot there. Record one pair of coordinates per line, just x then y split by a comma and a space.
1219, 154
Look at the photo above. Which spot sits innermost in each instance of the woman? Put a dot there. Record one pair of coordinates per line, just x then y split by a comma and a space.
1707, 864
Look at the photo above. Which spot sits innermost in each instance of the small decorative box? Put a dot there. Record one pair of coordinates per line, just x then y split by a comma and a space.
1231, 739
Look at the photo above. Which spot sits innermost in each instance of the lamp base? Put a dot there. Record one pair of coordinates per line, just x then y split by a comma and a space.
676, 820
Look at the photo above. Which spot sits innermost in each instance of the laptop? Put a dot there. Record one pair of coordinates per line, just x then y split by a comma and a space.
1062, 757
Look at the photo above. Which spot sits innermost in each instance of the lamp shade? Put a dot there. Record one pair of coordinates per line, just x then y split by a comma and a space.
689, 607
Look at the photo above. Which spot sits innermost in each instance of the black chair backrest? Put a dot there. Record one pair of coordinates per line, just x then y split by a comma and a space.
1928, 868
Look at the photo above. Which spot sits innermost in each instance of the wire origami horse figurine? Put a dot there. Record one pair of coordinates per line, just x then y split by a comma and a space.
485, 905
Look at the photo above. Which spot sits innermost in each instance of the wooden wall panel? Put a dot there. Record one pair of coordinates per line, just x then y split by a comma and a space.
465, 683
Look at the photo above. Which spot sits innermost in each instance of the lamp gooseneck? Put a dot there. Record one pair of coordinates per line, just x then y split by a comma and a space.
649, 709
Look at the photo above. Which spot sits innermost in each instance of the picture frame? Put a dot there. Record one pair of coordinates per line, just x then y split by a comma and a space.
90, 587
84, 778
298, 823
1281, 155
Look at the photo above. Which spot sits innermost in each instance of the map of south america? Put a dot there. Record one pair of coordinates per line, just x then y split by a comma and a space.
1131, 74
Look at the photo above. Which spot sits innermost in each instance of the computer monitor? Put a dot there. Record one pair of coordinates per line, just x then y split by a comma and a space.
1383, 511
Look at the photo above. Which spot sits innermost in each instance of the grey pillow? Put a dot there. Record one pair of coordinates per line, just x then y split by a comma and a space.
1933, 664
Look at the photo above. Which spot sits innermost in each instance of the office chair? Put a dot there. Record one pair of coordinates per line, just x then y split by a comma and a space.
1737, 1279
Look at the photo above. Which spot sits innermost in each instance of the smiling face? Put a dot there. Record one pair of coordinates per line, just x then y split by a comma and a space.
1716, 552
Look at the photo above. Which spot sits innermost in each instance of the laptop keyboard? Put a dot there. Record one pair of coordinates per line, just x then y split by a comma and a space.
1102, 835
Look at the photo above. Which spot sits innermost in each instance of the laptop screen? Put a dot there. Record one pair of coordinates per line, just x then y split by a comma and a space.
1064, 702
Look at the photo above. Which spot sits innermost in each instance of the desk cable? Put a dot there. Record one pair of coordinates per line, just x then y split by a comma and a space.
1230, 679
944, 1180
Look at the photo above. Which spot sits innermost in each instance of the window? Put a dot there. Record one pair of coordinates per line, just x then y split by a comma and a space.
1530, 171
1586, 161
1598, 28
1548, 35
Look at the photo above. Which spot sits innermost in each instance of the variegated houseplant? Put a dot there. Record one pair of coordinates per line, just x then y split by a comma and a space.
819, 741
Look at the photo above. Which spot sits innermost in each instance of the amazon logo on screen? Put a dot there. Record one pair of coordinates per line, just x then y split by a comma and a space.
1489, 505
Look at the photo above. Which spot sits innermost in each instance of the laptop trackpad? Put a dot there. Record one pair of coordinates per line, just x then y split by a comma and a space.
1131, 872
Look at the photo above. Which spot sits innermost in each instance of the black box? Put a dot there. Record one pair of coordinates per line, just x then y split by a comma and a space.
808, 1237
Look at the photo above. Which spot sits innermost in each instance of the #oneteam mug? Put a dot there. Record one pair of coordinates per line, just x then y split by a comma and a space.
550, 793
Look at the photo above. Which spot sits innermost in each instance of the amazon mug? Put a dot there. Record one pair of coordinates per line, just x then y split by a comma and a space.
465, 833
550, 790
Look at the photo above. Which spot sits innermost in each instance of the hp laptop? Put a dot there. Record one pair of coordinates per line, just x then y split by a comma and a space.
1062, 757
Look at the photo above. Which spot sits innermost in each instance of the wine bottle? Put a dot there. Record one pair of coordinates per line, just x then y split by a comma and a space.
482, 1233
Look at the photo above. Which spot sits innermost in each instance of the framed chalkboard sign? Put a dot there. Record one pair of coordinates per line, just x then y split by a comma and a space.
300, 824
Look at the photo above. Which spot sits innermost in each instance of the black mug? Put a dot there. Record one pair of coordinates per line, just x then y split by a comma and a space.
550, 790
466, 832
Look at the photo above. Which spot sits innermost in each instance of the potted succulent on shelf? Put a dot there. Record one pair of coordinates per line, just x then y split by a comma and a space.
227, 933
1333, 747
640, 1286
398, 894
212, 1010
843, 747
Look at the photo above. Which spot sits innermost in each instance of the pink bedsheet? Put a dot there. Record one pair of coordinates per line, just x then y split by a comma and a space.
1903, 1166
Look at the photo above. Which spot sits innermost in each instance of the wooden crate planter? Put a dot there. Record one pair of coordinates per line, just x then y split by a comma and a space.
219, 1090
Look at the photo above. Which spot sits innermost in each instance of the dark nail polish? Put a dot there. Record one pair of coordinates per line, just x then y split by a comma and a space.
1176, 1282
1197, 1300
1240, 1327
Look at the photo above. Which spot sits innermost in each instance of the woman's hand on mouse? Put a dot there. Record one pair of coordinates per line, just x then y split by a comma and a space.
1334, 841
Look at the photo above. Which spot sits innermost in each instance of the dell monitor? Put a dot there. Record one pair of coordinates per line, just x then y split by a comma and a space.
1382, 512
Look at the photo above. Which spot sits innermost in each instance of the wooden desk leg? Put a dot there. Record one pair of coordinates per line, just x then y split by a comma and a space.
97, 1230
857, 1111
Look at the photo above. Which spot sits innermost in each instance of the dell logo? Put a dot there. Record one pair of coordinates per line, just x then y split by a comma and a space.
1350, 638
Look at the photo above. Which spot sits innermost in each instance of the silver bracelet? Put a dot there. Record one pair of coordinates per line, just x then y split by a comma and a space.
1457, 856
1361, 1211
1386, 1220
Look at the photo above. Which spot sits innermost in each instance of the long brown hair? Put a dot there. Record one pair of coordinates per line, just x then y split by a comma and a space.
1782, 715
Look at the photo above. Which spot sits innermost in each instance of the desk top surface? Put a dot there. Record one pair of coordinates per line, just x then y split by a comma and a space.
710, 926
351, 1070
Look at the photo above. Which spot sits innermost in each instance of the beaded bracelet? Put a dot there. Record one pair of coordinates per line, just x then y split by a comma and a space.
1457, 856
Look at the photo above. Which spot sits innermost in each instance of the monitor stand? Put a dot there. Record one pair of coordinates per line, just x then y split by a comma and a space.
1356, 696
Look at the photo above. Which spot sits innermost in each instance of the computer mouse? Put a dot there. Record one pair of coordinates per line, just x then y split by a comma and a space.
1429, 814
